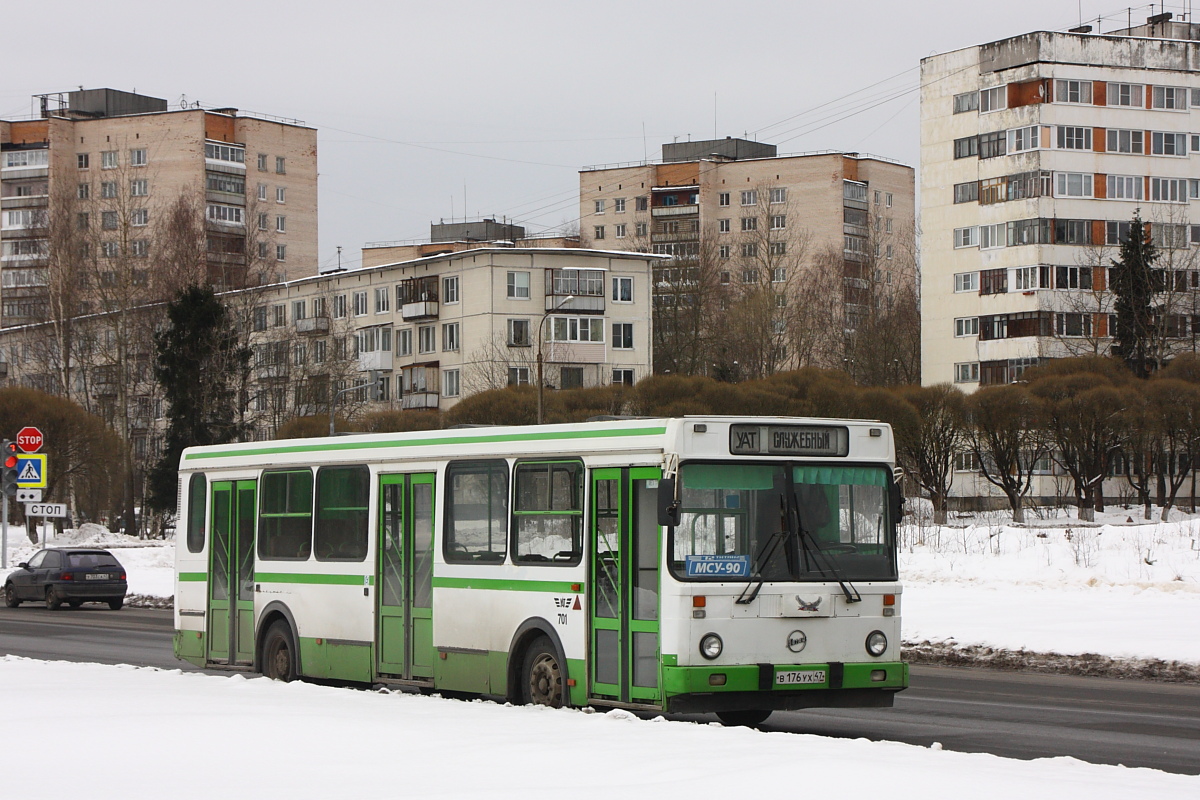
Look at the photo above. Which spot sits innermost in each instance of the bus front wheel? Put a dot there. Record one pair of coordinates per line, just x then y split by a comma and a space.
279, 653
744, 719
542, 678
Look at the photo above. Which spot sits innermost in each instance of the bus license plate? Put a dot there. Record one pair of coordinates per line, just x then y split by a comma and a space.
96, 576
799, 676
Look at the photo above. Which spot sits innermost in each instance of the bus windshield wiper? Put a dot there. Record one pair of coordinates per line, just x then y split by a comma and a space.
764, 554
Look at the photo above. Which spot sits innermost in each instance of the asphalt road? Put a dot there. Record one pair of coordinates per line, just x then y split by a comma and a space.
1017, 715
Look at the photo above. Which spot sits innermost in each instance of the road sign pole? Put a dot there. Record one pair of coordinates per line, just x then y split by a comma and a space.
4, 535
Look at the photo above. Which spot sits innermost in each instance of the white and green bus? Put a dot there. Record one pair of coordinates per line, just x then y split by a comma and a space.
737, 565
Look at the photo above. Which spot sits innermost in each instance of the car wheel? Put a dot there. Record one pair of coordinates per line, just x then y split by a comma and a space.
744, 719
53, 601
115, 605
542, 678
279, 653
10, 596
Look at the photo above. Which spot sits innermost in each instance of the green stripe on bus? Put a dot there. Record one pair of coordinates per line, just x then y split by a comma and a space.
500, 437
298, 577
564, 587
193, 576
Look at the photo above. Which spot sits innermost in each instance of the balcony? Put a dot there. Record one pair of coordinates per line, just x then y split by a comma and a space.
420, 399
25, 201
375, 359
686, 236
421, 309
674, 211
313, 325
583, 305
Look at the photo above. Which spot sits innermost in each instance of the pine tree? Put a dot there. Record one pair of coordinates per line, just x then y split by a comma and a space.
199, 354
1132, 283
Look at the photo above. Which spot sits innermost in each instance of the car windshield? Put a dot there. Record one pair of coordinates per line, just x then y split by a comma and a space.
733, 515
88, 560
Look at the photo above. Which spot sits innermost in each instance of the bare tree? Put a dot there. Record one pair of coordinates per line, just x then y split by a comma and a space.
1006, 432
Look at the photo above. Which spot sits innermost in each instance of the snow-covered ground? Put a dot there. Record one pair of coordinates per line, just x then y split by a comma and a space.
1121, 588
151, 733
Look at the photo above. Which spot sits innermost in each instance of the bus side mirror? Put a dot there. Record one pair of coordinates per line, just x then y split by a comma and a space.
668, 506
897, 498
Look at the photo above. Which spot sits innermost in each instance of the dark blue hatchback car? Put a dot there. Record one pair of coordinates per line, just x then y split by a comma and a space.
70, 575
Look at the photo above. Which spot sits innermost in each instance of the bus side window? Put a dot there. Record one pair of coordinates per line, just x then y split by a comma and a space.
285, 515
340, 530
197, 491
548, 513
476, 512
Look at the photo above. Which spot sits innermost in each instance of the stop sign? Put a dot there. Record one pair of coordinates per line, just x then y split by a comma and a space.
29, 439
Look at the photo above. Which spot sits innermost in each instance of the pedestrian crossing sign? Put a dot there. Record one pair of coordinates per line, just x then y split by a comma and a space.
31, 471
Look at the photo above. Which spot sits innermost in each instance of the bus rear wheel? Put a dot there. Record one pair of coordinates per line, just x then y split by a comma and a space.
279, 653
542, 678
744, 719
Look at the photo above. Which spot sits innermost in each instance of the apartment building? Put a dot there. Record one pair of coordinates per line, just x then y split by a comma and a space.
738, 210
453, 237
115, 163
1036, 152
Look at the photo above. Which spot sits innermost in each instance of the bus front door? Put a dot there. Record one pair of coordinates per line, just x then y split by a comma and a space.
623, 648
231, 574
404, 629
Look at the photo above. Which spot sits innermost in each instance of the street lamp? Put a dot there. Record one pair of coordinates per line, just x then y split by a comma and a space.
372, 390
541, 342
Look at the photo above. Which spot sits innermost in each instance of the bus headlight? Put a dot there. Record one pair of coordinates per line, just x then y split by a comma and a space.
876, 643
711, 646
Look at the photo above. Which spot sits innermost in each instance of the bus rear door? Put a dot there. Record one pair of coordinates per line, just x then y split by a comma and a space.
623, 646
404, 633
231, 574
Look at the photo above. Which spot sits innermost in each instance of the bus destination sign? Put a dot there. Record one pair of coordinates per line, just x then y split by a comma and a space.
788, 440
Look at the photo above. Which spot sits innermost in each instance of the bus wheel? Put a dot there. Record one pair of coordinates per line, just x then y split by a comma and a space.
279, 653
542, 680
744, 719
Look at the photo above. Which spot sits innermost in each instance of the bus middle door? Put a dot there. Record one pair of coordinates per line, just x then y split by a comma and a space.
404, 632
231, 574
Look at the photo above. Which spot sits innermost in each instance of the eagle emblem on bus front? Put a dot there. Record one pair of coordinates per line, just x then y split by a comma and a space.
808, 605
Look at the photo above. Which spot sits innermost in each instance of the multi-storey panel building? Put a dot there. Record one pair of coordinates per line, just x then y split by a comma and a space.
737, 207
1036, 152
120, 161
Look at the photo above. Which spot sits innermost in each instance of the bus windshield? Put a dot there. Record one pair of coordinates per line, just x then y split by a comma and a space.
734, 523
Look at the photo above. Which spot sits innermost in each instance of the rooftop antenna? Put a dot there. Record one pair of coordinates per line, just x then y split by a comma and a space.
339, 249
645, 150
714, 115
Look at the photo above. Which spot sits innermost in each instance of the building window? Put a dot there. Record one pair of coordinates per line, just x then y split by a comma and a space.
641, 203
518, 376
280, 224
278, 315
619, 205
280, 194
110, 159
622, 335
108, 190
967, 101
778, 195
966, 237
518, 333
778, 222
1072, 231
139, 188
1169, 237
570, 377
280, 165
1120, 141
723, 198
262, 191
599, 206
339, 306
281, 252
262, 162
598, 232
299, 309
450, 289
750, 197
450, 337
889, 255
139, 248
1116, 232
749, 276
619, 230
404, 342
992, 145
749, 223
750, 250
723, 226
1023, 139
426, 335
966, 192
518, 285
82, 160
1125, 187
641, 229
723, 251
1168, 190
360, 304
576, 329
1168, 144
264, 221
108, 220
966, 373
966, 282
139, 217
778, 248
451, 383
622, 290
966, 326
110, 249
1066, 324
994, 99
230, 215
1126, 94
1072, 184
966, 147
137, 158
622, 377
84, 191
1172, 98
383, 299
1029, 278
1072, 91
1073, 278
1074, 138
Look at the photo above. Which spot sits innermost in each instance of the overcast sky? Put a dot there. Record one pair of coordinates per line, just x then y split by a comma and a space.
435, 109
